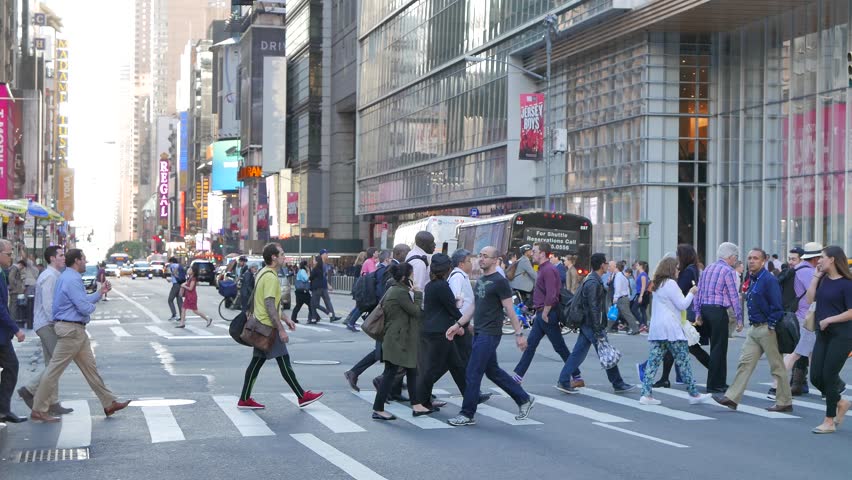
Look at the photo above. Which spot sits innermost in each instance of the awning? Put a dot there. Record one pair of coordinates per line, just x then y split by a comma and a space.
24, 206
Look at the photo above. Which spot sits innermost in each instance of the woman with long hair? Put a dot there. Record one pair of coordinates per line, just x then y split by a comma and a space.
303, 291
190, 297
401, 305
666, 333
831, 289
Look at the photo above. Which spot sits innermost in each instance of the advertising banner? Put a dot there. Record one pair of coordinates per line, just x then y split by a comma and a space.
532, 126
5, 142
183, 151
292, 207
226, 164
163, 186
65, 203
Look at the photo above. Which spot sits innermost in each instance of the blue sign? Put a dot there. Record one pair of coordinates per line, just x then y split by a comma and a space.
474, 212
183, 154
226, 164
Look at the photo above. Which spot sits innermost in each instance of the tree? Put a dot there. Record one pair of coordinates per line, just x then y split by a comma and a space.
135, 248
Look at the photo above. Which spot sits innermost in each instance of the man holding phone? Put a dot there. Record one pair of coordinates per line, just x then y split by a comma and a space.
71, 310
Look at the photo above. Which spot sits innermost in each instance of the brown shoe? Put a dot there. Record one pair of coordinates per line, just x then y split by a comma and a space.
26, 396
42, 417
723, 400
780, 408
352, 379
578, 383
116, 406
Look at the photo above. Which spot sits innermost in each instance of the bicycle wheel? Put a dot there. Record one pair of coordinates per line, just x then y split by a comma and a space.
227, 314
508, 329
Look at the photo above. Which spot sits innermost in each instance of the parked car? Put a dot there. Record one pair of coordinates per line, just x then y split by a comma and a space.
285, 279
206, 271
90, 277
112, 270
142, 269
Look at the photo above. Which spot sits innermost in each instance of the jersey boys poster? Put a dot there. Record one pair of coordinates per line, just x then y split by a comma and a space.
532, 126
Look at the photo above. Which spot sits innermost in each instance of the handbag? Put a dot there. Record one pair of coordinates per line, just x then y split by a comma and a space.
374, 324
689, 331
612, 313
254, 333
608, 355
810, 318
787, 332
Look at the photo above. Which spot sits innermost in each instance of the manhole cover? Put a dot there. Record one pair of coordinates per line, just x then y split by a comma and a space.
53, 455
161, 402
316, 362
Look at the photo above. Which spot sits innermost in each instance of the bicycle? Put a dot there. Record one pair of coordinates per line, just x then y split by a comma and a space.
229, 307
524, 314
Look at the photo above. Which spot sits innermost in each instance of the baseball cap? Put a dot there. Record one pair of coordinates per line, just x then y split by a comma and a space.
525, 248
324, 250
812, 250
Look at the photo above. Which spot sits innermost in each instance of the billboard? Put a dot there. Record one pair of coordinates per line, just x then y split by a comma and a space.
226, 163
65, 203
6, 152
292, 207
163, 185
532, 126
183, 151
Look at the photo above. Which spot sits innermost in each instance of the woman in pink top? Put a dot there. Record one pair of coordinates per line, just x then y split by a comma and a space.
372, 261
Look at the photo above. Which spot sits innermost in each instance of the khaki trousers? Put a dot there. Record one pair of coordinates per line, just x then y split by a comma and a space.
73, 344
760, 340
48, 344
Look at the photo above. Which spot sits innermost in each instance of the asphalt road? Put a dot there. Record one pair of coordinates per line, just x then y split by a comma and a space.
194, 432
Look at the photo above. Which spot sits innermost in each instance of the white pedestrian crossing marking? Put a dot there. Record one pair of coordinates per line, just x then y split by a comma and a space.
159, 331
312, 328
106, 321
573, 409
632, 403
355, 469
404, 413
796, 403
144, 310
488, 411
246, 421
641, 435
162, 425
76, 427
740, 408
198, 331
335, 422
119, 332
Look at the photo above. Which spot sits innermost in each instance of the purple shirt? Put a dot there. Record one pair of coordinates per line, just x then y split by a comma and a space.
718, 286
547, 286
804, 275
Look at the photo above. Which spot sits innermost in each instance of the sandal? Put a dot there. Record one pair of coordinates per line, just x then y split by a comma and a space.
821, 429
209, 321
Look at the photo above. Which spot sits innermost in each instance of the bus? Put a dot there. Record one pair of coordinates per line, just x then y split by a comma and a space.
567, 234
119, 259
443, 228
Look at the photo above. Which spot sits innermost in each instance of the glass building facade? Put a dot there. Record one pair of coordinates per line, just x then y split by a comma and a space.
712, 132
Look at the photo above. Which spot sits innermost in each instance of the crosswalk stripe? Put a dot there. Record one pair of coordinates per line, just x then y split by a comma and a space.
76, 427
106, 321
355, 469
312, 328
159, 331
335, 422
119, 332
629, 402
246, 421
162, 425
141, 307
198, 331
741, 408
488, 411
642, 435
219, 325
573, 409
796, 403
404, 413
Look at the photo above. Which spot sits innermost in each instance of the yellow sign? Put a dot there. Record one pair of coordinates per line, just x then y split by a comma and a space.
65, 201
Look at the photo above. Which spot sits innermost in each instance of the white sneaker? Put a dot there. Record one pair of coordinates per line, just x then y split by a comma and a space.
649, 401
700, 398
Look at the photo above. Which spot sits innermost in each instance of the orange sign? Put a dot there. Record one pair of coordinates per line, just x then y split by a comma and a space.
249, 172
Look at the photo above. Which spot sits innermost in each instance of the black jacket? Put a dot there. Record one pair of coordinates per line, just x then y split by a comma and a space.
593, 296
439, 307
317, 278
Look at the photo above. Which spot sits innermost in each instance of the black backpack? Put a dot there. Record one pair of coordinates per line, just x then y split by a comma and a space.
422, 258
789, 299
576, 310
566, 298
364, 292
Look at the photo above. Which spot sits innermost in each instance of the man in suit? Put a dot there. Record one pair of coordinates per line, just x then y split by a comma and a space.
8, 329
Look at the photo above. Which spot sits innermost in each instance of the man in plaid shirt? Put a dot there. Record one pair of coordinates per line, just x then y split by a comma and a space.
717, 291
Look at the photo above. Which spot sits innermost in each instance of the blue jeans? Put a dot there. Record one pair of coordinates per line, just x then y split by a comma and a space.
539, 329
483, 361
585, 340
353, 317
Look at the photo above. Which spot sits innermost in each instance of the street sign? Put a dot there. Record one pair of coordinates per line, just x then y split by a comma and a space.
39, 43
40, 19
474, 212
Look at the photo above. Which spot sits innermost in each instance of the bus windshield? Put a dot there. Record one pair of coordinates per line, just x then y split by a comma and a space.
119, 259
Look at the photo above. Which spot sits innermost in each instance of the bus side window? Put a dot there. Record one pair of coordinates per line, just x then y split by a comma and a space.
444, 248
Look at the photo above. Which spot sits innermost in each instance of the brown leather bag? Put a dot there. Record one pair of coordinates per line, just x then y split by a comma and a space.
255, 333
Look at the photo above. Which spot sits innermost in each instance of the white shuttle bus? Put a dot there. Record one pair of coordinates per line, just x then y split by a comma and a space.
442, 228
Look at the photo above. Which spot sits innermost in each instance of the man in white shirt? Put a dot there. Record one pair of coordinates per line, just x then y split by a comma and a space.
43, 325
418, 258
621, 296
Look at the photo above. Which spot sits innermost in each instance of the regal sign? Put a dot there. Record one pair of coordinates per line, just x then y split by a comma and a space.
163, 186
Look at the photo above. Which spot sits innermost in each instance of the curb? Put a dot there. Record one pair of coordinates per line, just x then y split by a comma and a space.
3, 435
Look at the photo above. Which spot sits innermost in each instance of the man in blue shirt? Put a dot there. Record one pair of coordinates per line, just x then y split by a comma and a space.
8, 329
71, 310
765, 310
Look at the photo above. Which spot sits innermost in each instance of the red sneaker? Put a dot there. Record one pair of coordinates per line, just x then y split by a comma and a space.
308, 398
250, 404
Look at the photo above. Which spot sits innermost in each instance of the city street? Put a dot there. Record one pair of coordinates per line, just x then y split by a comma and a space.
196, 431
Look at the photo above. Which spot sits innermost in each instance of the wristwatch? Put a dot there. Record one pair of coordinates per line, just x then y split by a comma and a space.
519, 334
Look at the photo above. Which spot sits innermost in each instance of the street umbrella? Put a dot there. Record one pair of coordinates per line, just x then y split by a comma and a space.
14, 207
38, 210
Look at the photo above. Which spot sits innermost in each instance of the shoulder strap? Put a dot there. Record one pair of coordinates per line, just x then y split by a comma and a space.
250, 306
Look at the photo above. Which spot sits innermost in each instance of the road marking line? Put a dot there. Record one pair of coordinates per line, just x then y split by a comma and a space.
573, 409
168, 361
741, 408
354, 468
219, 325
193, 337
76, 427
404, 413
119, 332
312, 328
246, 421
199, 331
88, 334
641, 435
138, 305
109, 321
336, 422
489, 411
796, 403
629, 402
159, 331
162, 425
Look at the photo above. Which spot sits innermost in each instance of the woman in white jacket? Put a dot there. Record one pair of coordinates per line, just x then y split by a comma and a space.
666, 333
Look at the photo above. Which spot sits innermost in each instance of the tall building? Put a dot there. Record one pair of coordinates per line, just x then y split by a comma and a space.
126, 227
713, 121
142, 118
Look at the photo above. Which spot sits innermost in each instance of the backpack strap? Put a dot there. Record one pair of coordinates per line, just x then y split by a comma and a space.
250, 306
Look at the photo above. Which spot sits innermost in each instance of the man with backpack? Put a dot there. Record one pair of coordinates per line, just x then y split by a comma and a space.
365, 288
587, 313
418, 258
177, 278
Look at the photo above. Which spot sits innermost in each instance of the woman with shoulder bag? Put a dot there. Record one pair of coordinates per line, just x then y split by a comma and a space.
303, 291
190, 297
666, 333
831, 289
401, 306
